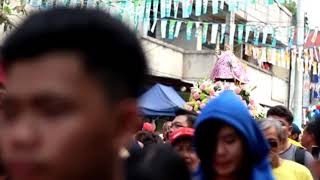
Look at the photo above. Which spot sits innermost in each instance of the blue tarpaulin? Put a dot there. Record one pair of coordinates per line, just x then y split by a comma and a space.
160, 100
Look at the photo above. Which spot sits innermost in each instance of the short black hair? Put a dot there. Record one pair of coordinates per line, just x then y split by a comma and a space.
314, 128
191, 116
109, 51
158, 162
281, 111
148, 138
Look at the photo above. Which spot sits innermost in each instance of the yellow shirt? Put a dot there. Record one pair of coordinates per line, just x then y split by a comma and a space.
289, 170
291, 141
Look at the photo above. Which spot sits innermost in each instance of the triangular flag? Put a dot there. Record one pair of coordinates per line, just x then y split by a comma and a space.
232, 5
185, 6
178, 26
168, 7
307, 35
175, 8
274, 40
148, 9
256, 36
205, 6
172, 24
310, 64
231, 33
311, 53
198, 7
155, 14
306, 65
73, 3
163, 28
189, 30
215, 6
49, 4
162, 8
240, 33
315, 65
153, 26
273, 56
221, 4
223, 31
197, 28
248, 30
36, 3
283, 58
205, 32
190, 7
316, 53
214, 32
265, 35
315, 35
90, 3
263, 55
269, 2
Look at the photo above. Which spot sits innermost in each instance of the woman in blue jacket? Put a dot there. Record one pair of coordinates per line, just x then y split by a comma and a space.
229, 143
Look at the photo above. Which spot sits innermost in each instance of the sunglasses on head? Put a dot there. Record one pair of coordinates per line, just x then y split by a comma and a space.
273, 143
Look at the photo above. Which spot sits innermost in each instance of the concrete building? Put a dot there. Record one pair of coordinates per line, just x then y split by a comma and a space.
179, 59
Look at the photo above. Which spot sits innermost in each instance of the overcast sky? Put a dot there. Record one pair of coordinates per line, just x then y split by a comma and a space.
312, 7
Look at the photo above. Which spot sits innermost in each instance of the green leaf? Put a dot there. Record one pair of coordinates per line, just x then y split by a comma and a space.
7, 10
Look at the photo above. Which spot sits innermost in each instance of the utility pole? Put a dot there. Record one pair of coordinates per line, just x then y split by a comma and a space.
298, 87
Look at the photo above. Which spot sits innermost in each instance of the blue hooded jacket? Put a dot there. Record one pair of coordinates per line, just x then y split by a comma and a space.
229, 109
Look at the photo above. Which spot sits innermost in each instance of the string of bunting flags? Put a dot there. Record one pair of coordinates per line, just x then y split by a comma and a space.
139, 14
243, 32
201, 6
141, 9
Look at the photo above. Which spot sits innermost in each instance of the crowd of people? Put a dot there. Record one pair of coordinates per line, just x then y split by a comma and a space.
73, 78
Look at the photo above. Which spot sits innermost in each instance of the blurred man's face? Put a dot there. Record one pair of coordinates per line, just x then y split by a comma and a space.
307, 140
179, 122
285, 125
56, 123
271, 136
186, 151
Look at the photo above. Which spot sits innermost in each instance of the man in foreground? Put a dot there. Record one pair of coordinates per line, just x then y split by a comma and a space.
73, 78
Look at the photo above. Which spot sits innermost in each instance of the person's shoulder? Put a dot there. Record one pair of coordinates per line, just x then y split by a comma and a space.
301, 172
291, 141
308, 156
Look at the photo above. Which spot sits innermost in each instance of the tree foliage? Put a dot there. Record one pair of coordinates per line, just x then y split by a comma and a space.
10, 10
292, 7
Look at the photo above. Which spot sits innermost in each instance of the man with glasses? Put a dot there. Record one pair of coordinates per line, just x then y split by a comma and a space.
183, 118
282, 169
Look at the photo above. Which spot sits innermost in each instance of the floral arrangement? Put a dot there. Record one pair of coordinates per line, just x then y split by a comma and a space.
205, 90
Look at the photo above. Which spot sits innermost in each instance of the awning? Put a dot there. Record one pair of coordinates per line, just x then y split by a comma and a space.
160, 100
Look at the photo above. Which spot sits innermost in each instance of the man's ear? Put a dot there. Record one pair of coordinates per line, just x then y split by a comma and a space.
128, 119
290, 130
